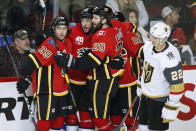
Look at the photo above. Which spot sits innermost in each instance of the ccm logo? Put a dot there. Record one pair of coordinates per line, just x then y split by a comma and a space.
10, 105
188, 102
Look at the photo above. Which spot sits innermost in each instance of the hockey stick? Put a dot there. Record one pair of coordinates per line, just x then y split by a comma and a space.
126, 115
68, 81
17, 74
44, 13
69, 87
136, 114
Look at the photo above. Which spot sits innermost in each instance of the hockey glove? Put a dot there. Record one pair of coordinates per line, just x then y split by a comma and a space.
117, 63
23, 84
139, 91
64, 60
83, 51
170, 112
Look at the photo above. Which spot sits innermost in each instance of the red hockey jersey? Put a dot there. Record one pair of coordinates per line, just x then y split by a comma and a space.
80, 42
106, 44
48, 78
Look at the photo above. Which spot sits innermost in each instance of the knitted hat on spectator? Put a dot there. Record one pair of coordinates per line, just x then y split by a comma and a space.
168, 10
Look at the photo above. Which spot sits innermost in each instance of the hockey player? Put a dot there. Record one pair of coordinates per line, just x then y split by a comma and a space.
80, 36
49, 85
106, 44
128, 81
161, 82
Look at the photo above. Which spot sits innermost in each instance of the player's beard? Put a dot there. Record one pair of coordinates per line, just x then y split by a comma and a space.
98, 27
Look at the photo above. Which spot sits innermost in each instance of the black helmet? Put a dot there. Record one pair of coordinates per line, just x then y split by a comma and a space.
104, 11
60, 20
87, 13
118, 16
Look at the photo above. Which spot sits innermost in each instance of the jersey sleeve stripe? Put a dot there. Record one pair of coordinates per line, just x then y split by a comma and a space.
106, 71
176, 89
34, 61
139, 54
95, 58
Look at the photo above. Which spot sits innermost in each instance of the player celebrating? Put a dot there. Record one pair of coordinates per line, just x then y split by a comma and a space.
49, 85
80, 36
106, 44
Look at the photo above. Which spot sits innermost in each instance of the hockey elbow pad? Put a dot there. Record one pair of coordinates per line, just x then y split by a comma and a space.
27, 67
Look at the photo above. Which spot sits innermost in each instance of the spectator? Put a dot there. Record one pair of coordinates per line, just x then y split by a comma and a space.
133, 18
21, 46
137, 5
17, 14
113, 5
170, 16
192, 44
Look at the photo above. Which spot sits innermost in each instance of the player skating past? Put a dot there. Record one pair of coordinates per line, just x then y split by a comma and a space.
161, 82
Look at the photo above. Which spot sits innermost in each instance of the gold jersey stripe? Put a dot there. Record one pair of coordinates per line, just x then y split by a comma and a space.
107, 98
95, 59
94, 98
34, 60
177, 88
50, 91
106, 71
157, 96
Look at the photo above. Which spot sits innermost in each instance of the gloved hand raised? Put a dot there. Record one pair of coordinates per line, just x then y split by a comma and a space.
170, 111
23, 84
64, 60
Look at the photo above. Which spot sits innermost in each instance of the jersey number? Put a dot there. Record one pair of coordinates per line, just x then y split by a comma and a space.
176, 75
148, 70
45, 52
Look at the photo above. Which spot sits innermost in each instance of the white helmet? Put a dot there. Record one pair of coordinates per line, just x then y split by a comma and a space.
160, 30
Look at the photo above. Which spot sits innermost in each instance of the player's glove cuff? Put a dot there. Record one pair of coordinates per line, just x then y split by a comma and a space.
64, 60
170, 111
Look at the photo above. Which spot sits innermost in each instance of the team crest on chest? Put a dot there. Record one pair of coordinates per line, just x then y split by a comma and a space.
79, 40
170, 55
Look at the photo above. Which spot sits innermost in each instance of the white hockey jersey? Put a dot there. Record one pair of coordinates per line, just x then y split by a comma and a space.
162, 71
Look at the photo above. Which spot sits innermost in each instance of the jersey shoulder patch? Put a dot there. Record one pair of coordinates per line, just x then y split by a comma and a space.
101, 33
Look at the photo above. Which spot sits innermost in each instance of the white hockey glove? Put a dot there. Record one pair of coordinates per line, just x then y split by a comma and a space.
139, 91
170, 111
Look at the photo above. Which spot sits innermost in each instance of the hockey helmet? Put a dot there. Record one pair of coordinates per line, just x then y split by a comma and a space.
104, 11
60, 20
160, 30
87, 13
118, 16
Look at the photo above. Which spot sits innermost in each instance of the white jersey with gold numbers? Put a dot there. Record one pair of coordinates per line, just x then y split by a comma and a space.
161, 71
